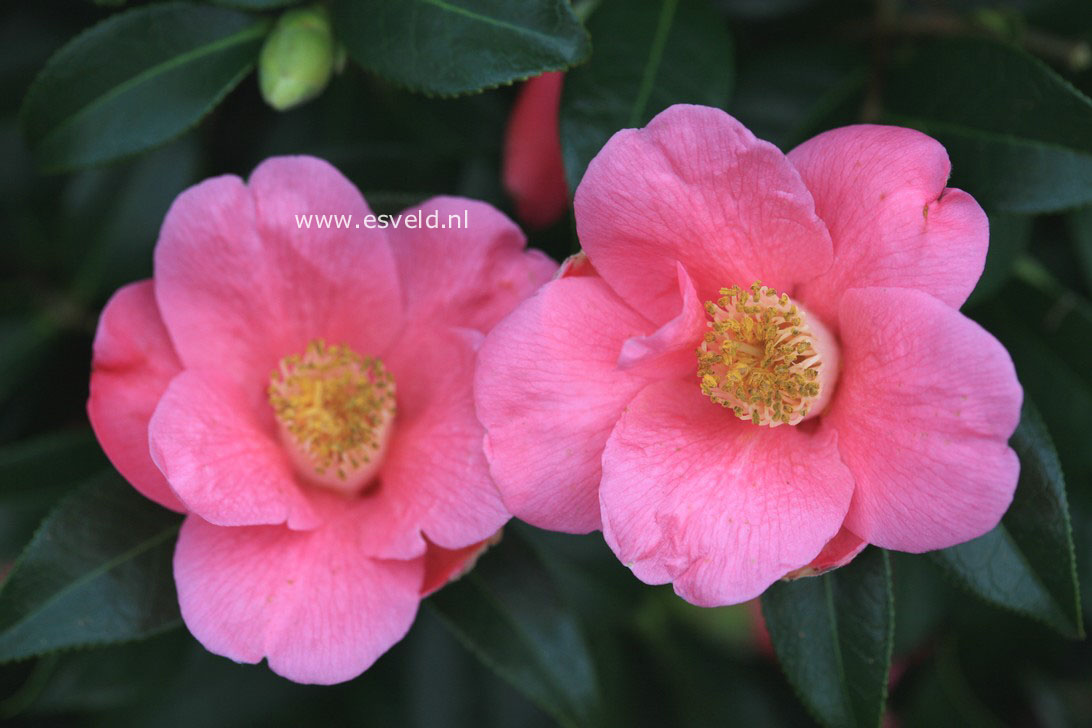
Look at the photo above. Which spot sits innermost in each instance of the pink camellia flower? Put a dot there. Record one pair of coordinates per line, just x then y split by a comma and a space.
760, 366
533, 172
304, 396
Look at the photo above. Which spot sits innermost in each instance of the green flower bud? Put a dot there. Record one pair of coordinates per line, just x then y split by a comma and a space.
297, 58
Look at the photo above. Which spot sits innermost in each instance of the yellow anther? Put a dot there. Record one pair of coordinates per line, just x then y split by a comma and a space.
759, 358
335, 410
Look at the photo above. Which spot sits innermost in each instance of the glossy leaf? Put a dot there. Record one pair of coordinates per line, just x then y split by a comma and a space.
48, 461
1010, 236
833, 636
449, 47
1027, 563
1020, 137
135, 81
97, 571
1060, 318
1042, 323
508, 612
648, 55
35, 474
788, 94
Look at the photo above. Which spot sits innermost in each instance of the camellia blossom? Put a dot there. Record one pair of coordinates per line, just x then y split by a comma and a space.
760, 366
304, 396
533, 172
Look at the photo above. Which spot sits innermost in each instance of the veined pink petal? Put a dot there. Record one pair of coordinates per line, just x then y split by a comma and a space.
720, 507
880, 190
548, 391
287, 273
534, 174
925, 406
468, 276
221, 462
312, 602
132, 364
670, 350
695, 186
241, 285
434, 480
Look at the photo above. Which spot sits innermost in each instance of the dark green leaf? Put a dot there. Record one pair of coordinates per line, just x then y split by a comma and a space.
1059, 318
789, 93
24, 342
761, 9
508, 612
649, 54
127, 203
1042, 324
135, 81
833, 636
35, 474
48, 462
1020, 137
1081, 225
941, 697
97, 571
450, 47
255, 4
1027, 562
1009, 238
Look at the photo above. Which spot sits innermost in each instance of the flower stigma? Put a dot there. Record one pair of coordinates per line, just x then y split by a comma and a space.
764, 358
334, 409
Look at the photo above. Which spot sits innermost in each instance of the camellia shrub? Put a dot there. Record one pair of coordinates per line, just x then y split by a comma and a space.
552, 362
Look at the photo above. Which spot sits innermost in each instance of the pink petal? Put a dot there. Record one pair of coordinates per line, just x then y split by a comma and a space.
434, 480
880, 190
548, 392
310, 601
470, 276
695, 186
839, 551
720, 507
446, 565
132, 363
222, 463
670, 350
576, 265
924, 409
240, 286
533, 171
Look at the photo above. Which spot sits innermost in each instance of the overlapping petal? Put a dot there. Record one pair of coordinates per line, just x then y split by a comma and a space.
696, 187
221, 460
434, 480
471, 275
312, 602
695, 496
880, 190
241, 284
133, 363
548, 391
925, 406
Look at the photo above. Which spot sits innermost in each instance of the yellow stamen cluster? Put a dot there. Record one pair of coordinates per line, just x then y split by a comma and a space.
335, 405
759, 357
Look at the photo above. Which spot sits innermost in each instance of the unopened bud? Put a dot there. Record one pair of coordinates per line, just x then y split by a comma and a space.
297, 58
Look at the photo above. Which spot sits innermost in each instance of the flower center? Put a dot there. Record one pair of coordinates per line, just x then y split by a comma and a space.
763, 357
335, 409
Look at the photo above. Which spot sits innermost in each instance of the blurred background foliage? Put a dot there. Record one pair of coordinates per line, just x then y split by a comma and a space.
548, 629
